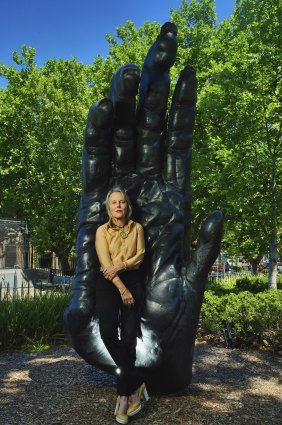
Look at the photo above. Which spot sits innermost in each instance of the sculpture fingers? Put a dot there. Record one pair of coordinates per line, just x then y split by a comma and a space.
177, 162
207, 250
123, 91
152, 107
96, 159
97, 147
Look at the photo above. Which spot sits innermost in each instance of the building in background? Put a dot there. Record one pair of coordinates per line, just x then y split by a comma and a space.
17, 253
14, 249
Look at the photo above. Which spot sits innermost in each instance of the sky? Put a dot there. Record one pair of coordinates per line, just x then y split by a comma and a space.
77, 28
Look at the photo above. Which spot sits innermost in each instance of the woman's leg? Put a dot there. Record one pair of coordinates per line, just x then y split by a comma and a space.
108, 305
131, 316
130, 324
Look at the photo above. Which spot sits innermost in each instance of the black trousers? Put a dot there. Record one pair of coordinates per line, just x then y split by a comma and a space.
120, 325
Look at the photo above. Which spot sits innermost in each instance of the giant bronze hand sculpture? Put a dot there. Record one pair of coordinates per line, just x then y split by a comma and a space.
149, 155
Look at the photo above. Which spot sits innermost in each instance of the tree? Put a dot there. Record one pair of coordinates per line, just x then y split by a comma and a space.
237, 136
241, 108
43, 113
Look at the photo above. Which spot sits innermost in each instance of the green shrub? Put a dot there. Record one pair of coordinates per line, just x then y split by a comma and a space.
236, 268
233, 284
222, 286
27, 320
212, 312
253, 317
35, 323
252, 284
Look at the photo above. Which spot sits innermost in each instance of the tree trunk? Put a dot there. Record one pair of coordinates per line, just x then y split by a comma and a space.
273, 245
254, 264
272, 271
65, 266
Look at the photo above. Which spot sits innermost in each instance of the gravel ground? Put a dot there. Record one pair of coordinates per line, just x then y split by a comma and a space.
57, 387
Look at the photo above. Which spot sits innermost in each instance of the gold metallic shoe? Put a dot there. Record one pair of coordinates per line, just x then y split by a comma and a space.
121, 418
136, 407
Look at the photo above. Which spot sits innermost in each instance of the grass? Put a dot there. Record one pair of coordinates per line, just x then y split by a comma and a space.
33, 323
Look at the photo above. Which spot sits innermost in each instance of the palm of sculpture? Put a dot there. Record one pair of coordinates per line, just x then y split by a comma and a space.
150, 158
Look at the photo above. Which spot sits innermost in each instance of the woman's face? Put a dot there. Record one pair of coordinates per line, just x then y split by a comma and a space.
117, 205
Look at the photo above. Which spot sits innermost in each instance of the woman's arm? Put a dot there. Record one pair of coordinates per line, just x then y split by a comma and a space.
102, 249
140, 250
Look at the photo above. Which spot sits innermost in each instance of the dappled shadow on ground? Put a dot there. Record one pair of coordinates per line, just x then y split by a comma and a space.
233, 366
57, 387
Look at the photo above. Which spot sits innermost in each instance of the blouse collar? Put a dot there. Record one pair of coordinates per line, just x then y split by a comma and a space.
110, 224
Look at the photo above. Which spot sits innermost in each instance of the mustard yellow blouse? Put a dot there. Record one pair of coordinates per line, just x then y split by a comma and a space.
113, 249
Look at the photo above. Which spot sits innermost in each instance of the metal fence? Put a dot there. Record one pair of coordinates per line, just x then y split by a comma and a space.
55, 273
221, 275
13, 289
54, 280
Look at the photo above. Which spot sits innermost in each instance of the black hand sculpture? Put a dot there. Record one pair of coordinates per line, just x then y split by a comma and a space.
150, 157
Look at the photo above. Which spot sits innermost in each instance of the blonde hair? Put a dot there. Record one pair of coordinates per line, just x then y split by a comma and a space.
129, 207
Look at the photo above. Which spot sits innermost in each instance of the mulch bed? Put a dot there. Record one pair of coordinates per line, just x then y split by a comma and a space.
56, 387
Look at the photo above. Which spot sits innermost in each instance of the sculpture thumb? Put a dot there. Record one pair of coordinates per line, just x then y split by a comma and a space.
206, 252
